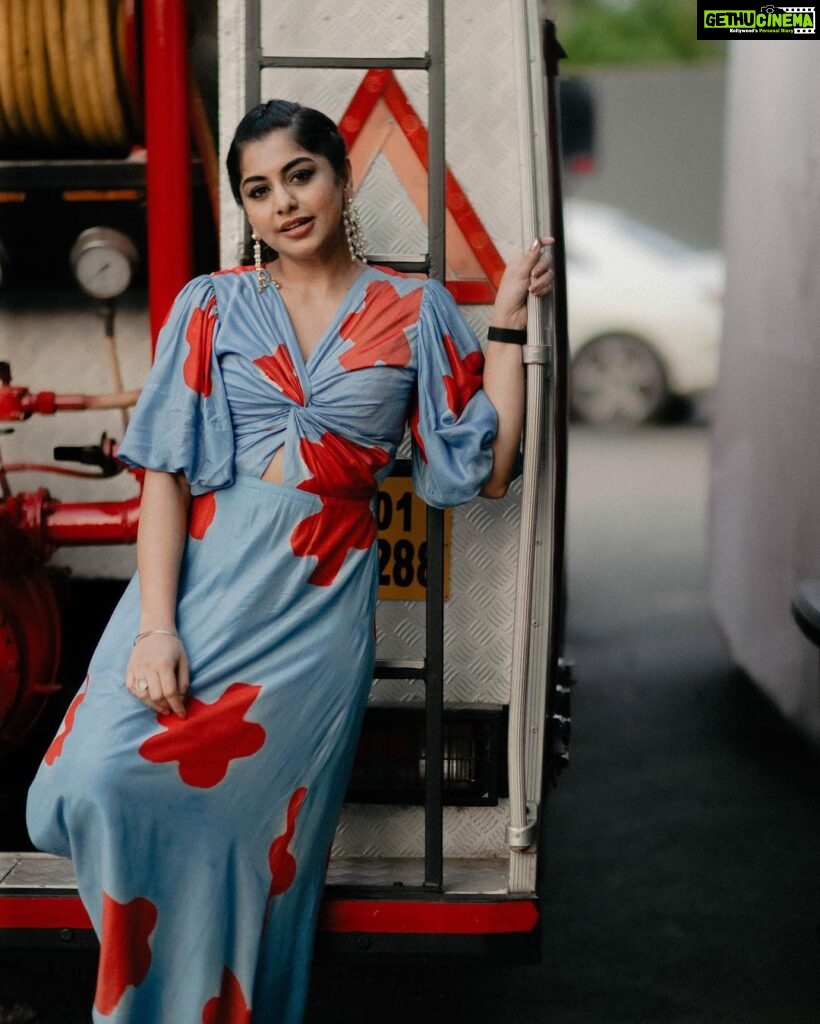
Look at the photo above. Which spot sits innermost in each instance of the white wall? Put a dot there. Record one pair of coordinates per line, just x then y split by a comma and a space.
765, 476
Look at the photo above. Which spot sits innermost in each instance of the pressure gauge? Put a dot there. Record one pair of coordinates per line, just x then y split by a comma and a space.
103, 262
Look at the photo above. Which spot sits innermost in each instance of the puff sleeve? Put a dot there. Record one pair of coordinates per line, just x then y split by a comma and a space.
182, 423
455, 423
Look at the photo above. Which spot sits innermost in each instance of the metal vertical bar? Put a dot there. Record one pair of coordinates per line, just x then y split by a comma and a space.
434, 690
253, 77
529, 677
434, 704
168, 170
521, 832
253, 53
436, 157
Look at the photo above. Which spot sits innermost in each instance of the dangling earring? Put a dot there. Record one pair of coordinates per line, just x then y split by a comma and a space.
262, 275
353, 231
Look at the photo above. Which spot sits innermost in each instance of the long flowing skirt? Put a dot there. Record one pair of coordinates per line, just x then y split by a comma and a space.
201, 844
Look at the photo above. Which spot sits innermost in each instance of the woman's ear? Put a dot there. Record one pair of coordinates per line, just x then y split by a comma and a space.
347, 178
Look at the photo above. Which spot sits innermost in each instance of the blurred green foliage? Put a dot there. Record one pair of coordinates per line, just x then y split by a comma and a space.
632, 32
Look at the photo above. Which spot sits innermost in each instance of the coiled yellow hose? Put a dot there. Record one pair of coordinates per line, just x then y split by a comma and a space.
63, 83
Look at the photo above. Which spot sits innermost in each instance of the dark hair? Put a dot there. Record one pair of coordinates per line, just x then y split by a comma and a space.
309, 128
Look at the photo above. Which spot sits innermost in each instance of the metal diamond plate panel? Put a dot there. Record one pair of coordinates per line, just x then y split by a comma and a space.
478, 317
328, 91
328, 28
483, 114
478, 616
375, 831
461, 874
390, 221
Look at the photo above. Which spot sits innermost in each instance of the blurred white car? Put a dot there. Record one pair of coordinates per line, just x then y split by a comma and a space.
645, 316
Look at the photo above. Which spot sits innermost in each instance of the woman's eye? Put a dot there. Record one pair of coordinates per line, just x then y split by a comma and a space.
303, 175
258, 191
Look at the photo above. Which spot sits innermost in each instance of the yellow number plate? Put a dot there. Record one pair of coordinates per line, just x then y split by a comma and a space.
402, 520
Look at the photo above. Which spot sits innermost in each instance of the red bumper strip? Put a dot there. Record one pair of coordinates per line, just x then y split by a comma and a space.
374, 916
427, 918
43, 912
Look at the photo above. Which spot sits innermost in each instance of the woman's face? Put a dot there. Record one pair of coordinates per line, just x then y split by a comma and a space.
292, 197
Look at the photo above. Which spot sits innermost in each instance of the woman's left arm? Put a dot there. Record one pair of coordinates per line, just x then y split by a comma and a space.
529, 273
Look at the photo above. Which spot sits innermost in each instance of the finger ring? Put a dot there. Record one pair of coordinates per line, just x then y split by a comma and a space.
142, 685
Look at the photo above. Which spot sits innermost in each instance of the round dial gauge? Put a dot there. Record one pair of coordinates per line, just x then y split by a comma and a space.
103, 262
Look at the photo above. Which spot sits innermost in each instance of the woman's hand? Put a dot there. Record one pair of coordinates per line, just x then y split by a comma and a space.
527, 273
158, 673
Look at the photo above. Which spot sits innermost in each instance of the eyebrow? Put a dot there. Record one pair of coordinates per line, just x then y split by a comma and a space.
288, 167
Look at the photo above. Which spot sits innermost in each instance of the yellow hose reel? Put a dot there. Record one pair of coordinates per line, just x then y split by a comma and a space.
67, 80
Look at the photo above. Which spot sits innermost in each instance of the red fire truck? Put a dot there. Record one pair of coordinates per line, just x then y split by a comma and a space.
450, 115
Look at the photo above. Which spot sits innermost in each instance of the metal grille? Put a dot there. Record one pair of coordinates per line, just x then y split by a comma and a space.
391, 762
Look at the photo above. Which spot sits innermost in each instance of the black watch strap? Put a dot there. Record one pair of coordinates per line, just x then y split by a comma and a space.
507, 335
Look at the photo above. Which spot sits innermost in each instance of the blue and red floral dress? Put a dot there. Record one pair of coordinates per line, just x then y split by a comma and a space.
200, 844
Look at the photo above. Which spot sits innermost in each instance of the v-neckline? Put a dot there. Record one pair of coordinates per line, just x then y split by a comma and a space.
306, 361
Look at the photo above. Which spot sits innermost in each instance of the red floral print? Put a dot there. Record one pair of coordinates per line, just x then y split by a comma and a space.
229, 1007
209, 737
203, 510
279, 369
200, 336
341, 469
329, 535
281, 860
56, 747
125, 954
466, 378
377, 329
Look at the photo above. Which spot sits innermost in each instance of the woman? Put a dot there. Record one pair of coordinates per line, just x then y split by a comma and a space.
200, 831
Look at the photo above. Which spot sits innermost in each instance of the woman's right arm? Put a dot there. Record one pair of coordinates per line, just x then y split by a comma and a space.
158, 659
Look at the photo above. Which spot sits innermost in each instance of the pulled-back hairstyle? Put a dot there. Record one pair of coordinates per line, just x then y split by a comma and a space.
309, 128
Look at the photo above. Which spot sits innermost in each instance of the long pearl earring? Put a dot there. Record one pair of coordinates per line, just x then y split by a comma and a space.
262, 276
353, 231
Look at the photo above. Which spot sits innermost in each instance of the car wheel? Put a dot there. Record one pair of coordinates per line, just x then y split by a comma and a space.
617, 380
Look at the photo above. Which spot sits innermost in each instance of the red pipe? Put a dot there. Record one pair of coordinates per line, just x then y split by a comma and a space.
20, 404
75, 524
168, 171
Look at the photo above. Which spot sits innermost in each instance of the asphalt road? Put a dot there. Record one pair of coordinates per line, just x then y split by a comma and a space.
683, 852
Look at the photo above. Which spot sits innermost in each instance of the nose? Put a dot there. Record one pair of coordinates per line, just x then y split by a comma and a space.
285, 200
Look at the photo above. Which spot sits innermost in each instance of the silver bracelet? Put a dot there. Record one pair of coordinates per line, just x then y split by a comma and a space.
150, 632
